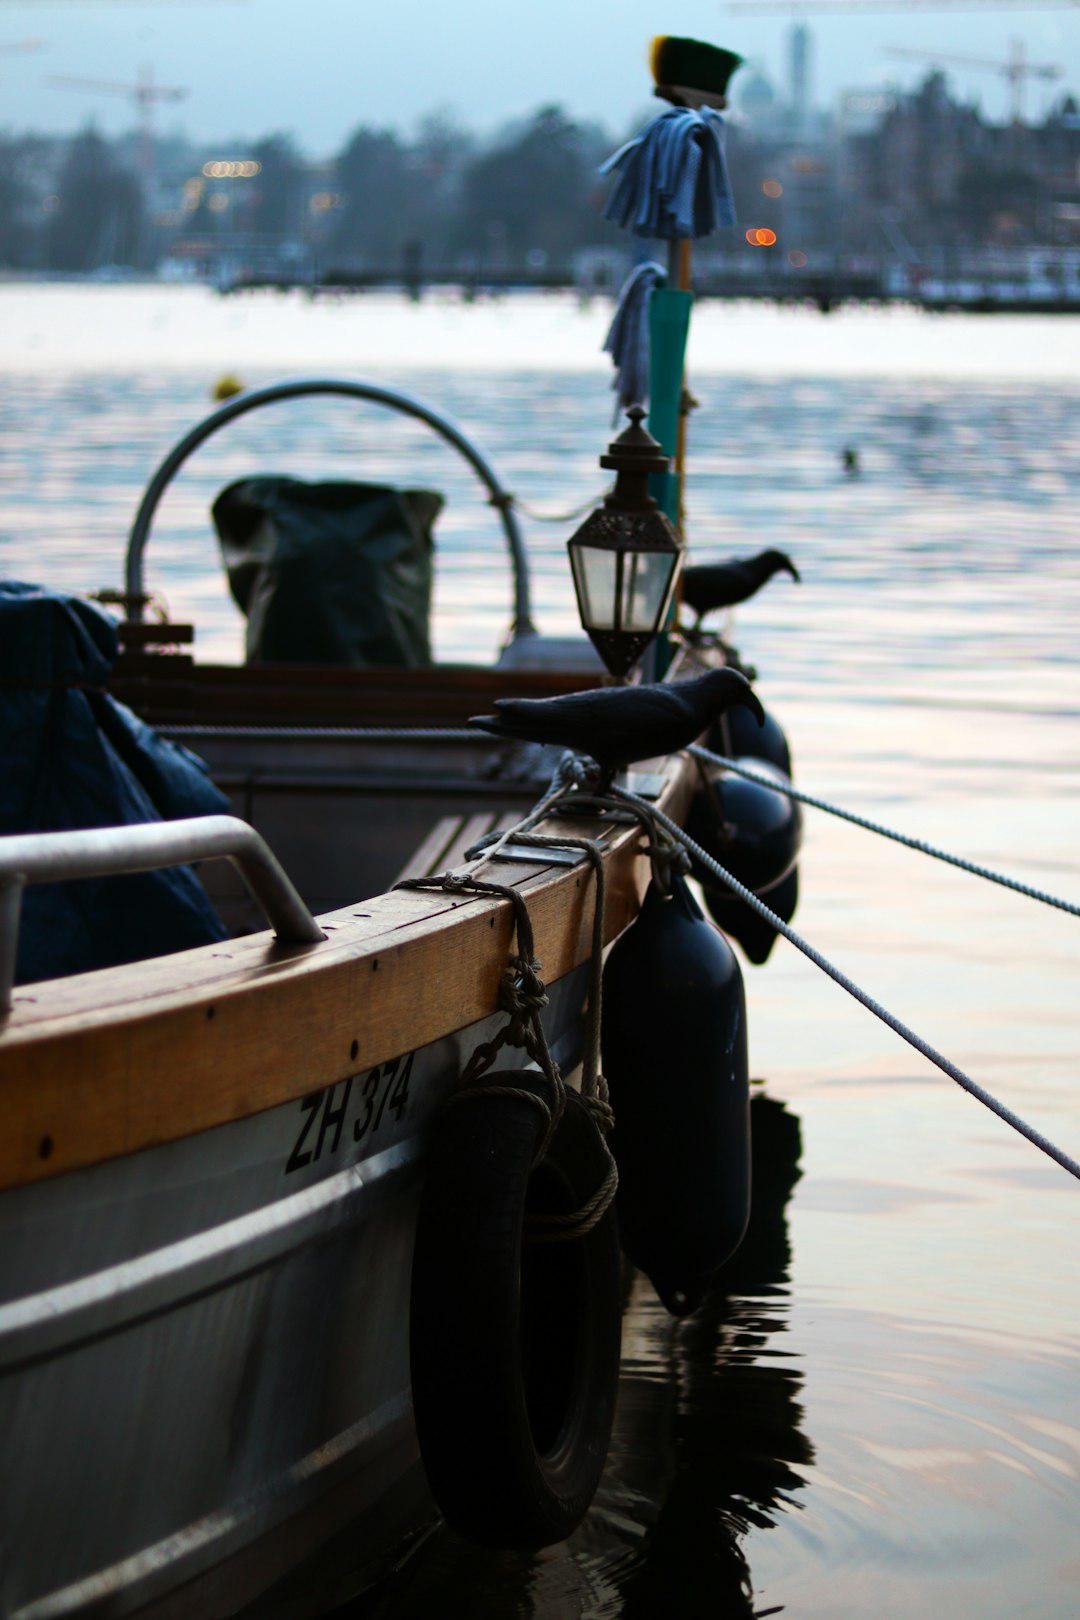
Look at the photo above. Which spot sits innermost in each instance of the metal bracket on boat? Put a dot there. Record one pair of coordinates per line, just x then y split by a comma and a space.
523, 852
646, 784
59, 857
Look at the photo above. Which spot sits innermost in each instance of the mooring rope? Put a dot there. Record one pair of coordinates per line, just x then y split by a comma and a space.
963, 1080
792, 792
534, 513
570, 785
522, 995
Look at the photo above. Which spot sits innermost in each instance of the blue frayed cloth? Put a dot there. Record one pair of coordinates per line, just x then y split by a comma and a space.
673, 179
627, 341
73, 757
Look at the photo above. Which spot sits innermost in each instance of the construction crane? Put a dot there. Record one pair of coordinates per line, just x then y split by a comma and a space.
145, 93
1016, 70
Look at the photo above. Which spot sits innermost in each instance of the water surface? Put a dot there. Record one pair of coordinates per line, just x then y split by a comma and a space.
877, 1412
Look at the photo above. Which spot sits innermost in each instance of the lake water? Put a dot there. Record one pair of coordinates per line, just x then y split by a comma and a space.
879, 1412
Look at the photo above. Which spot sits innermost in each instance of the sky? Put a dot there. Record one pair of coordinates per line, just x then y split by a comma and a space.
318, 68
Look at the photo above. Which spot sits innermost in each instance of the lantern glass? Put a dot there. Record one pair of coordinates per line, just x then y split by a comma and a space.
594, 579
646, 578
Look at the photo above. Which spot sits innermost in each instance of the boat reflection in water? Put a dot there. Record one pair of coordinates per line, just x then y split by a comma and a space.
707, 1446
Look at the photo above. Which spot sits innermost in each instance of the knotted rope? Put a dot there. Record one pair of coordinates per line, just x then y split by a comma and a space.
523, 996
563, 798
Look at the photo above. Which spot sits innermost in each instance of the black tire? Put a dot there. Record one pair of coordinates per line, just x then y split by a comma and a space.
515, 1345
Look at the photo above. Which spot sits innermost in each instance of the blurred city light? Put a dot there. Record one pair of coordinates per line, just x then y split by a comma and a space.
231, 168
772, 188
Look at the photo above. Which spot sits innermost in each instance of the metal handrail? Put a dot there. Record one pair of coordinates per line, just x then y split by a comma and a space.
59, 857
373, 392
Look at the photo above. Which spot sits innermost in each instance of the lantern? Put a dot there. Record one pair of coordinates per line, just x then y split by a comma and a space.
626, 557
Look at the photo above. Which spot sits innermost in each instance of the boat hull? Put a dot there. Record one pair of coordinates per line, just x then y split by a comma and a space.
204, 1365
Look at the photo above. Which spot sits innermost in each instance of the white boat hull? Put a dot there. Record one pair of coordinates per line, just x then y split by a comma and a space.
207, 1342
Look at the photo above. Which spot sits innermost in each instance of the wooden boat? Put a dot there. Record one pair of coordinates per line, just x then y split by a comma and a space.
212, 1161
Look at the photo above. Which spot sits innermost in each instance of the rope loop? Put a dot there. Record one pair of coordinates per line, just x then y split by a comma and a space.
522, 997
667, 857
578, 1222
600, 1107
504, 500
576, 771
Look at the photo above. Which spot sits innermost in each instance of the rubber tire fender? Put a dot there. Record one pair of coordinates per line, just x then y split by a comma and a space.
514, 1345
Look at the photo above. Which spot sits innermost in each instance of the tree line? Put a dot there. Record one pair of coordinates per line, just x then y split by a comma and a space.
76, 204
931, 171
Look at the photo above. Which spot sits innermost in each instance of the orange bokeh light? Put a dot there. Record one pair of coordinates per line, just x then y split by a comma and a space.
760, 236
772, 188
796, 258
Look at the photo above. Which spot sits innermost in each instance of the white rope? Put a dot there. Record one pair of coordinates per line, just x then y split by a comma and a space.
537, 516
886, 832
970, 1086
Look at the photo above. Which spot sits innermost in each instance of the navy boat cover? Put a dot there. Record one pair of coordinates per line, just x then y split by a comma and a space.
74, 757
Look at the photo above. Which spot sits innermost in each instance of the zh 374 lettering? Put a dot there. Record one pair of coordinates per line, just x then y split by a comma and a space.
349, 1111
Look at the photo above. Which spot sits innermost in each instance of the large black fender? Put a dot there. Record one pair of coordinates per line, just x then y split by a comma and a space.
514, 1343
756, 936
674, 1054
755, 832
736, 732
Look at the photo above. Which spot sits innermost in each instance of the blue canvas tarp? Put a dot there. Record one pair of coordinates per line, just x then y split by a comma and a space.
71, 756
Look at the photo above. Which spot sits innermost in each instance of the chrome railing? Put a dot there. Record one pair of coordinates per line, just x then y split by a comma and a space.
59, 857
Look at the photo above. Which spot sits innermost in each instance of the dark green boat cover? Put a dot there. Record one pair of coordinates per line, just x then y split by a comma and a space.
330, 573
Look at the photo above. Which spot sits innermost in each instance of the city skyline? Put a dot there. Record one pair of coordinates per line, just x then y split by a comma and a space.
247, 67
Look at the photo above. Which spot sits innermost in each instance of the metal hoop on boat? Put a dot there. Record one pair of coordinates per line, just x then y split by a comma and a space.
377, 395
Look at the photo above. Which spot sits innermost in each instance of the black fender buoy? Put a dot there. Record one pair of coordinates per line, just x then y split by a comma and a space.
756, 936
673, 1039
514, 1344
737, 732
753, 830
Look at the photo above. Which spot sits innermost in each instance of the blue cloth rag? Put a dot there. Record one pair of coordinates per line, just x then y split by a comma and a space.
673, 179
627, 341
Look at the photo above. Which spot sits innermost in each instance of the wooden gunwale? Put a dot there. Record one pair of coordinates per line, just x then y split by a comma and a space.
110, 1063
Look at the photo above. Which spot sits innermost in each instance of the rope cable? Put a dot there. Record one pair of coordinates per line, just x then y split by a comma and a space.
537, 516
522, 997
980, 1093
561, 791
792, 792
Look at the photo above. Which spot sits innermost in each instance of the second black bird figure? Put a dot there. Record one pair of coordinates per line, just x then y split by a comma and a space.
709, 586
617, 725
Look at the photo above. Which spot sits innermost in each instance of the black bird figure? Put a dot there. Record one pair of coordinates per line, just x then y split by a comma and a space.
617, 725
708, 586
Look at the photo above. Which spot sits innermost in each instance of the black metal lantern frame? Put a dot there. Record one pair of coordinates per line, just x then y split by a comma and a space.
626, 557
